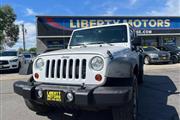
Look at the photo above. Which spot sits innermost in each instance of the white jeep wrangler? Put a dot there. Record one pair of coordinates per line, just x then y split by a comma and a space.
100, 70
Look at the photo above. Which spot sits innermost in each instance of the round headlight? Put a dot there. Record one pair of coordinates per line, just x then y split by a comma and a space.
97, 63
39, 63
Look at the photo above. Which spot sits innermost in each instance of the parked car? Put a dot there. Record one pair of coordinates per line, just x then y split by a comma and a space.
27, 58
174, 51
154, 55
9, 60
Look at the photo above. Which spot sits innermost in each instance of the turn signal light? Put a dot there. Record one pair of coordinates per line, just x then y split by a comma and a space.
36, 75
98, 77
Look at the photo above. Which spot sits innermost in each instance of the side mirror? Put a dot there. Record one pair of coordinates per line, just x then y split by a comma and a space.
136, 41
140, 49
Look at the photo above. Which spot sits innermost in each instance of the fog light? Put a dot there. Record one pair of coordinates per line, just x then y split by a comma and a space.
40, 93
69, 97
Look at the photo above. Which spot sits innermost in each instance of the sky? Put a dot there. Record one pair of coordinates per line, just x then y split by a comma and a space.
26, 10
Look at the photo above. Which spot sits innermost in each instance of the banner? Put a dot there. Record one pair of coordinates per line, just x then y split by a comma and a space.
61, 26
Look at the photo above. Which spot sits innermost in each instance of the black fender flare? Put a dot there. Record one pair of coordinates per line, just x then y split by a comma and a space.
121, 68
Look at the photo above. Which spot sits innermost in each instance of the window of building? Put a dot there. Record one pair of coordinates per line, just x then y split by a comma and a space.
56, 43
169, 40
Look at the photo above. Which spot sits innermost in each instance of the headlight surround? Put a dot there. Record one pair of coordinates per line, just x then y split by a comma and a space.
97, 63
39, 63
14, 60
153, 55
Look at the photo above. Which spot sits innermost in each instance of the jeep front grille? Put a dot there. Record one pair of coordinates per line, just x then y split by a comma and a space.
66, 68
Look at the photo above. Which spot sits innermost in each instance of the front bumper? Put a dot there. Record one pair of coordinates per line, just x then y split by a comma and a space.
158, 60
88, 96
9, 66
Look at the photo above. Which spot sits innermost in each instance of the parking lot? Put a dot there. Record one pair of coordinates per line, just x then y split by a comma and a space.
159, 96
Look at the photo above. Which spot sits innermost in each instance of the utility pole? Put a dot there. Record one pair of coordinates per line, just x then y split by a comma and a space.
24, 43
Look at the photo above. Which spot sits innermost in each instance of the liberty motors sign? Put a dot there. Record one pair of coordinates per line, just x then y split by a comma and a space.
64, 25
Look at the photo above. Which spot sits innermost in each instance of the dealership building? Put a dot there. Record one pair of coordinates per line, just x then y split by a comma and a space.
53, 32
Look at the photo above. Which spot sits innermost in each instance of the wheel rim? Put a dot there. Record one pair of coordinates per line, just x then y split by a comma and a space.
146, 60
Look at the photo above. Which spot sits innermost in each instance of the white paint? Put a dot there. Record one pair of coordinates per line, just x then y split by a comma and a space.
88, 52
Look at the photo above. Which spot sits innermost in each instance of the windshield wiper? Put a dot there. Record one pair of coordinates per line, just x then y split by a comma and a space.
82, 44
98, 42
102, 42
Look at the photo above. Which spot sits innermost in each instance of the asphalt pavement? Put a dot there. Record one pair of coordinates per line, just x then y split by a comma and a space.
159, 97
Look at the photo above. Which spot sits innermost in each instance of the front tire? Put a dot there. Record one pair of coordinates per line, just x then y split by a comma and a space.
128, 111
19, 67
36, 107
174, 59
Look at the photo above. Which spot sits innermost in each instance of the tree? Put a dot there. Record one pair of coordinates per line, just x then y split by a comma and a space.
33, 50
21, 50
8, 30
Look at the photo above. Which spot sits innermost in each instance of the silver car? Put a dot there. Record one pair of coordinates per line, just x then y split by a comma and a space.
27, 58
153, 55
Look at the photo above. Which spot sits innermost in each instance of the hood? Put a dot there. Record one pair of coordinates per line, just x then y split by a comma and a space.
163, 52
8, 57
88, 50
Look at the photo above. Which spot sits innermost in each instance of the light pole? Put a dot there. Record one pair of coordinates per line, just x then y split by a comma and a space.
23, 31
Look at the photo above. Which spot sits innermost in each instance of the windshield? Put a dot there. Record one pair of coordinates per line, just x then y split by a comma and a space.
27, 56
8, 53
112, 34
150, 49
